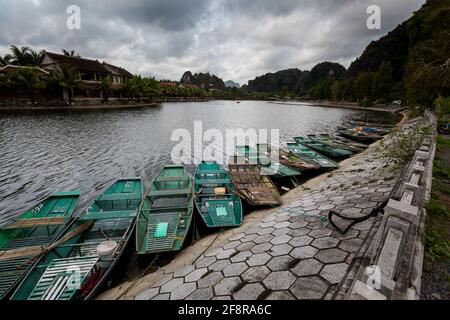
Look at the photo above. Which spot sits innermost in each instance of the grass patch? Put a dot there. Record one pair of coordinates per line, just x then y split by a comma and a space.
436, 239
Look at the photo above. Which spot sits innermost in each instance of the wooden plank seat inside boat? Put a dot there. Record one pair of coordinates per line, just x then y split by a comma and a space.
170, 193
57, 281
171, 179
212, 181
119, 197
35, 222
118, 214
27, 242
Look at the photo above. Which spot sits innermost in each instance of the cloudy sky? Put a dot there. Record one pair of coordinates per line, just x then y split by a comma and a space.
235, 39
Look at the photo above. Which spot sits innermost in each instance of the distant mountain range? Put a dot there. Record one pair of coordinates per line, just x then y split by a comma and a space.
296, 80
231, 84
203, 80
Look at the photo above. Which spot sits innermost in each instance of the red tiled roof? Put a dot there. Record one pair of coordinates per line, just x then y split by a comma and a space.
118, 71
167, 84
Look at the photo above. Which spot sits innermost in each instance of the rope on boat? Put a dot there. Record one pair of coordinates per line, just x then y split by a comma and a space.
135, 281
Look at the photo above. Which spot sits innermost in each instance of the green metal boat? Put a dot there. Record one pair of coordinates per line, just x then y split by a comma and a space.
255, 188
334, 142
25, 238
359, 136
267, 165
217, 198
342, 140
79, 263
286, 158
311, 155
166, 212
323, 148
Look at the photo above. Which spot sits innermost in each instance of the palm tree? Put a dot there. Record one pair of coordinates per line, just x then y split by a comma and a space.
25, 56
4, 61
26, 79
70, 53
105, 86
67, 78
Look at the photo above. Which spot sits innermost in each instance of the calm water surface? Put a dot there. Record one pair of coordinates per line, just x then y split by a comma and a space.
44, 153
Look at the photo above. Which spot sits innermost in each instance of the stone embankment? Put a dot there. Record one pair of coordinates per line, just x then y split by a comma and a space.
293, 252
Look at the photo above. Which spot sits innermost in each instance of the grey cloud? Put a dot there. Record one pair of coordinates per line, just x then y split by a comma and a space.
237, 39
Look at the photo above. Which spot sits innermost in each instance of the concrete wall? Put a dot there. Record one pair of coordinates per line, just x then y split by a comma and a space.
392, 267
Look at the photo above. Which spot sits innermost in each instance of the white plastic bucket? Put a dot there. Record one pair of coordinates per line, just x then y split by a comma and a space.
105, 250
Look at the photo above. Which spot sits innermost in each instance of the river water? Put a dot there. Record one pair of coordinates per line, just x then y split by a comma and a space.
44, 153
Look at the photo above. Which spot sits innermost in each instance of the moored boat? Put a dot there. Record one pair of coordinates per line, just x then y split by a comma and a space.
257, 189
286, 158
334, 142
342, 140
216, 197
166, 213
311, 155
323, 148
79, 263
268, 166
359, 135
25, 238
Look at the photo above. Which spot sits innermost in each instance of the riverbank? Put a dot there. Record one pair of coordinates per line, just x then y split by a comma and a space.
346, 105
75, 108
275, 248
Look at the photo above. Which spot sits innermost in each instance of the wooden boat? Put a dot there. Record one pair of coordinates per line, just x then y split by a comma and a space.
166, 212
369, 129
313, 156
342, 140
267, 165
78, 264
323, 148
255, 188
286, 158
334, 142
23, 240
216, 197
359, 135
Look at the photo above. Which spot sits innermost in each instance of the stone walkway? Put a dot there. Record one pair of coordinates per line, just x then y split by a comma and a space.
293, 253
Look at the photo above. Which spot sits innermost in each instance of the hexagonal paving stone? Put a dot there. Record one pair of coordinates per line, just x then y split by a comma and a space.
267, 224
171, 285
226, 286
236, 236
351, 245
255, 274
213, 252
163, 280
183, 271
210, 280
265, 231
331, 255
309, 288
307, 267
280, 250
280, 263
304, 252
250, 237
258, 259
147, 294
245, 246
334, 273
319, 233
326, 207
219, 265
231, 245
280, 295
367, 204
300, 241
363, 226
225, 254
281, 225
324, 243
196, 275
280, 280
205, 262
163, 296
264, 239
235, 269
249, 292
315, 225
281, 232
351, 234
298, 224
263, 247
201, 294
299, 232
281, 239
241, 256
183, 291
